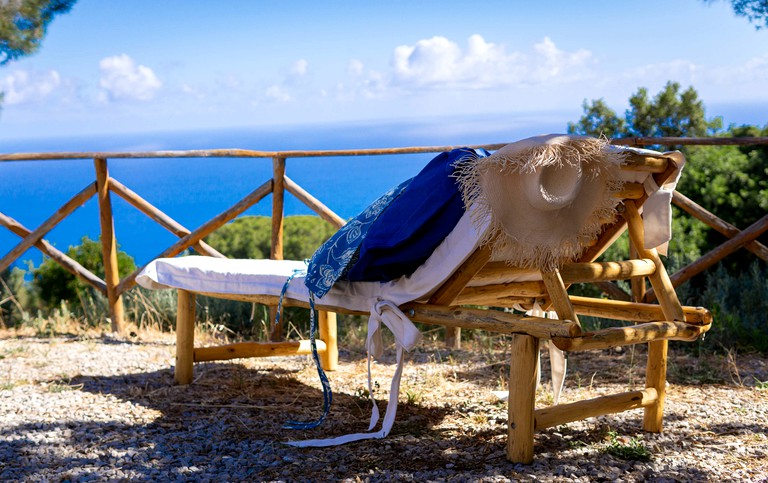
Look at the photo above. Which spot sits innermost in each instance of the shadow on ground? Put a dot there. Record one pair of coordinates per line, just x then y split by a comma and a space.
229, 423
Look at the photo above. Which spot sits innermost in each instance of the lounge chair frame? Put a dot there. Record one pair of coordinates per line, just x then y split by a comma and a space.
481, 282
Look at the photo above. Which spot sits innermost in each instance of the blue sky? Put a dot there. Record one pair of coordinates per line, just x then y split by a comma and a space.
136, 66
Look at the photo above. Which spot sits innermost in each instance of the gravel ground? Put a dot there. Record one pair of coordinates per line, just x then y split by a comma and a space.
98, 408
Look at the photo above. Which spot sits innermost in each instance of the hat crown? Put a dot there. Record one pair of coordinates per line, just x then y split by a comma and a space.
552, 187
546, 197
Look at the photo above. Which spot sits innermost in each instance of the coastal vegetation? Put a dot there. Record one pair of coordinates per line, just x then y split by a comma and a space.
729, 181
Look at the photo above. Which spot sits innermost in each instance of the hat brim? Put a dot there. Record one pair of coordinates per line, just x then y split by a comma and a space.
537, 232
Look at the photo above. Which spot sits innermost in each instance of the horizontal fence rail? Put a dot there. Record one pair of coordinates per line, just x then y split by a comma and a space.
113, 287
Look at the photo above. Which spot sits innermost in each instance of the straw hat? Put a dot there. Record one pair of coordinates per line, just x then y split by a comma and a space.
546, 197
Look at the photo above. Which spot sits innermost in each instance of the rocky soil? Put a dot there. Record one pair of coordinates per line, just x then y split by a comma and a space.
95, 408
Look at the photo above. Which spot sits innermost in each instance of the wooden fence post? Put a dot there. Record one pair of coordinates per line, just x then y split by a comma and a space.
276, 251
109, 246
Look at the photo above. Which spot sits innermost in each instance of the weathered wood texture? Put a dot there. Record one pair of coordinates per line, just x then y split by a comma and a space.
448, 291
523, 370
670, 305
560, 300
636, 334
247, 153
204, 230
689, 271
109, 246
38, 234
590, 408
327, 327
695, 210
276, 245
70, 265
634, 311
690, 141
185, 337
240, 350
603, 271
313, 203
159, 217
490, 320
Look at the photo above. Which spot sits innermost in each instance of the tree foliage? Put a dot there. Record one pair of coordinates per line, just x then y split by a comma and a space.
756, 11
251, 236
23, 24
53, 284
14, 296
671, 113
729, 181
598, 120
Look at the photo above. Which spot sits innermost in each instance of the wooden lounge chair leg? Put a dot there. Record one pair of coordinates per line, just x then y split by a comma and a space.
276, 332
185, 337
656, 371
656, 377
453, 337
559, 294
522, 396
329, 358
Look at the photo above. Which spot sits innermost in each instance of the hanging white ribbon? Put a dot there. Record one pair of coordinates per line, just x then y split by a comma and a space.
407, 336
657, 209
558, 363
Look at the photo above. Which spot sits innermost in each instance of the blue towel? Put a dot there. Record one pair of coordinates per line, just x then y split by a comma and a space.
397, 232
407, 232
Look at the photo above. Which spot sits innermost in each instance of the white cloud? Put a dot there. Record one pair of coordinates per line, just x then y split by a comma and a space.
657, 75
368, 85
753, 71
277, 93
429, 62
230, 82
439, 62
299, 68
355, 67
122, 78
757, 66
553, 64
192, 91
22, 87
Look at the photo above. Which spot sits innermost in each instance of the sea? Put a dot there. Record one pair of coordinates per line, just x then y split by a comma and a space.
193, 190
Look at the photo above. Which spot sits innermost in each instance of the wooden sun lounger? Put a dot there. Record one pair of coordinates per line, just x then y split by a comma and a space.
480, 282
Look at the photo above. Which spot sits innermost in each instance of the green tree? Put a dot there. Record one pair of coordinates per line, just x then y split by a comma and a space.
53, 284
729, 181
23, 24
251, 236
671, 113
598, 120
756, 11
14, 297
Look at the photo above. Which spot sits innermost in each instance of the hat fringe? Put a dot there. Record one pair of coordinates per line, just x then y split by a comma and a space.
592, 155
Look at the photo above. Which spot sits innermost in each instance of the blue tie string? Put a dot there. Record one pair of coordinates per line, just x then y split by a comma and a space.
327, 393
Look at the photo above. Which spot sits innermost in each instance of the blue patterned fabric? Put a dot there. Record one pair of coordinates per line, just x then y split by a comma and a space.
331, 261
398, 232
324, 382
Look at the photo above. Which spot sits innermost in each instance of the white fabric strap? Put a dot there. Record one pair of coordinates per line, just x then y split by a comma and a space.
558, 365
557, 360
657, 210
407, 336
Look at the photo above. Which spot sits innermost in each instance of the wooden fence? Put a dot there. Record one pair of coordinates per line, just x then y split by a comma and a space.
113, 287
